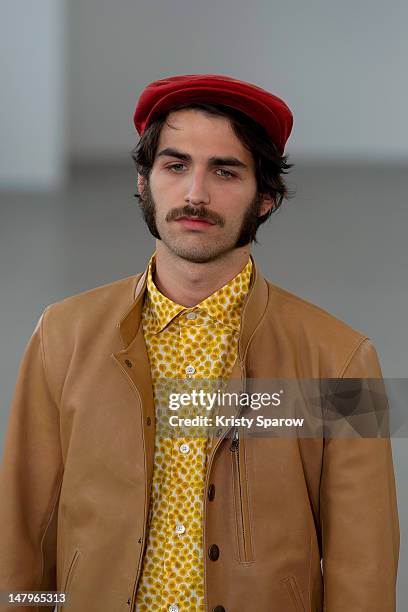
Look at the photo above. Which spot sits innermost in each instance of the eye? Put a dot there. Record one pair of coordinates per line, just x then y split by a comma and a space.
227, 173
174, 167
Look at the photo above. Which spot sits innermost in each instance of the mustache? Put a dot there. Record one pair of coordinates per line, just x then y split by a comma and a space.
198, 213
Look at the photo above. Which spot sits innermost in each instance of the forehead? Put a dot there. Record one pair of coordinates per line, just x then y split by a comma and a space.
194, 131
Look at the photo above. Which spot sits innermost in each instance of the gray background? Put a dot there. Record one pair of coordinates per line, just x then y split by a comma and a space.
71, 74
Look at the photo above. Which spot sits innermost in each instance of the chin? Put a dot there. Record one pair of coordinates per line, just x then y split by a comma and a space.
198, 254
195, 256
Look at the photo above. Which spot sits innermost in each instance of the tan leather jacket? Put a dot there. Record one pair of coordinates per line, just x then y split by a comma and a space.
78, 462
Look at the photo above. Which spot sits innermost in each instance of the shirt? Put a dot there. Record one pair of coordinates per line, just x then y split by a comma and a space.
199, 342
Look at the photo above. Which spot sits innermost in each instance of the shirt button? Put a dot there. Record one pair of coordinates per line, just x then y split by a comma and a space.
184, 448
190, 369
191, 315
173, 608
180, 528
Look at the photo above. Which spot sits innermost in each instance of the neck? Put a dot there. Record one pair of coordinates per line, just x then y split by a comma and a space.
188, 283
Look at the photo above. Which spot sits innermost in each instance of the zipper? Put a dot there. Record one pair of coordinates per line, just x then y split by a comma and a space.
241, 504
217, 444
235, 441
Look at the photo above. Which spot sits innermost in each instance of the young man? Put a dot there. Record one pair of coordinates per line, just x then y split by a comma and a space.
95, 502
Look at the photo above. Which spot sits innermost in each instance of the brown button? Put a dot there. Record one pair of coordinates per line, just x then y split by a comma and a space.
218, 609
128, 363
211, 492
149, 421
213, 552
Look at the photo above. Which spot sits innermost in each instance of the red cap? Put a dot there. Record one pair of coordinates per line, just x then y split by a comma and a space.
265, 108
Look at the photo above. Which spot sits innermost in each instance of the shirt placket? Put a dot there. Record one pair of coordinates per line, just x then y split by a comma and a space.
185, 513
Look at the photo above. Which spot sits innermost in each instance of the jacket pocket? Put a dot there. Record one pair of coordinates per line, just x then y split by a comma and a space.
241, 499
294, 593
68, 579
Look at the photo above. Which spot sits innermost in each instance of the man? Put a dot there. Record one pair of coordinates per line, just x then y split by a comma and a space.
96, 502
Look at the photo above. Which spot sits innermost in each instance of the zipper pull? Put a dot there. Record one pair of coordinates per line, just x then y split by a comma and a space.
235, 441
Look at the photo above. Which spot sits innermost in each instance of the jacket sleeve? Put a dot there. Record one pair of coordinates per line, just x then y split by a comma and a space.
30, 479
359, 517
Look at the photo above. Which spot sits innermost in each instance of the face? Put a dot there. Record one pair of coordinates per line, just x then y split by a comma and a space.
201, 197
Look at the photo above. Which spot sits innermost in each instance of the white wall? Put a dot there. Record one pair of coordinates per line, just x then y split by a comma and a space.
339, 65
32, 108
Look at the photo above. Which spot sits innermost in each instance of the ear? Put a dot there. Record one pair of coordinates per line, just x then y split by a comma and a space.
267, 202
140, 183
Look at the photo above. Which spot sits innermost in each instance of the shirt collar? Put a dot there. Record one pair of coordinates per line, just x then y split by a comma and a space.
224, 305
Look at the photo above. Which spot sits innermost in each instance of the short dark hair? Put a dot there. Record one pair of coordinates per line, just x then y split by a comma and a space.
270, 165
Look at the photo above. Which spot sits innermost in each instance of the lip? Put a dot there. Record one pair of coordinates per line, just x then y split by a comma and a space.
194, 222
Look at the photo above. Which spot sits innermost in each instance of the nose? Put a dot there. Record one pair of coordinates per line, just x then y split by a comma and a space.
197, 192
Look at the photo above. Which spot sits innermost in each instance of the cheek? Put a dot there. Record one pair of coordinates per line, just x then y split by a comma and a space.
235, 200
163, 197
166, 186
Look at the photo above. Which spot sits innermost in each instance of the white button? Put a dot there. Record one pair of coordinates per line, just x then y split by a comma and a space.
191, 315
180, 528
173, 608
190, 369
184, 448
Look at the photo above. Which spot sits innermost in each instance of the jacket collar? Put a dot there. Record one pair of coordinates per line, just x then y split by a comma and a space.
252, 312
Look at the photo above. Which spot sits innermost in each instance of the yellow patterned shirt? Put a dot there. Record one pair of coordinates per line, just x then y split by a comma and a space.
197, 342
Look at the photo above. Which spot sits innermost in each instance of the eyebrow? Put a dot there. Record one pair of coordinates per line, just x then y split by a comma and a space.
213, 161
